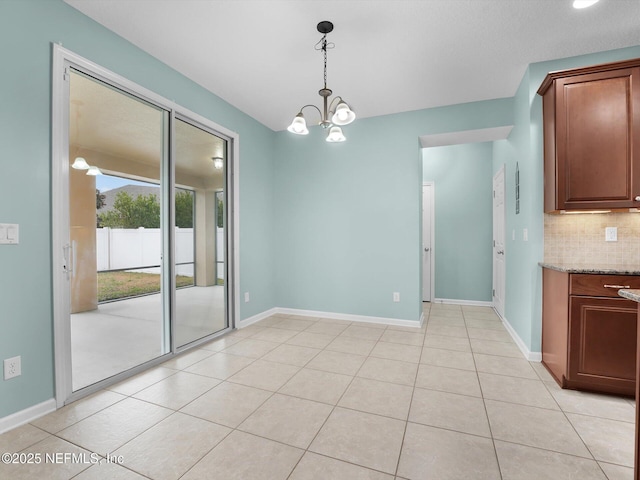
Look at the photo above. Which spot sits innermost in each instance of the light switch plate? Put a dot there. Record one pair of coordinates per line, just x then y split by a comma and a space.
9, 233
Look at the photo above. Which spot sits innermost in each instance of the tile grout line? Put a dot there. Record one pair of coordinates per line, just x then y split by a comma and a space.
413, 391
484, 404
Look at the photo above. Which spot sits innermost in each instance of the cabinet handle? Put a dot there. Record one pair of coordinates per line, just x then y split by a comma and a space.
638, 198
618, 287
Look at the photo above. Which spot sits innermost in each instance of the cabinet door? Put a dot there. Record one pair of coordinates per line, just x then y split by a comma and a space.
595, 117
602, 344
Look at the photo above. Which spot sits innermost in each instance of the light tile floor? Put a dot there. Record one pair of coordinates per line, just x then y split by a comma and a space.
299, 398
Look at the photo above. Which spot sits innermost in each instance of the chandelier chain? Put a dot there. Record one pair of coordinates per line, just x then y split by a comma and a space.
324, 49
324, 46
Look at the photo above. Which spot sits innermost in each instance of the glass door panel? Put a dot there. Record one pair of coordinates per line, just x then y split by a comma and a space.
117, 149
200, 253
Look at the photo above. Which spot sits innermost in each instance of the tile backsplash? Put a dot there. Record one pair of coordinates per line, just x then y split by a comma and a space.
579, 238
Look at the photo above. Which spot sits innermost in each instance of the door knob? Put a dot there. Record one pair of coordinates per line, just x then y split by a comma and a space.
637, 198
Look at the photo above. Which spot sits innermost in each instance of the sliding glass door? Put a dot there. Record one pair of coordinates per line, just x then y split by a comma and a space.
145, 253
200, 175
117, 148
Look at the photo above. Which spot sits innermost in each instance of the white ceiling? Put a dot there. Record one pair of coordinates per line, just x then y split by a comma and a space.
389, 57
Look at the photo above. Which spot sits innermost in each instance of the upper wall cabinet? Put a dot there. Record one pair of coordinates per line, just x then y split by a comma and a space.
592, 137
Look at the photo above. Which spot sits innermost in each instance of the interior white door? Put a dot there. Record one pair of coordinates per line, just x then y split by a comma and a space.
498, 242
427, 222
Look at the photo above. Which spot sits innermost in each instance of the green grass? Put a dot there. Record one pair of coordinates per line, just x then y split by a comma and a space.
115, 285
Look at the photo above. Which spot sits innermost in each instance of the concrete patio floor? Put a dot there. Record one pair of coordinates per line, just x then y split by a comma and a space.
123, 334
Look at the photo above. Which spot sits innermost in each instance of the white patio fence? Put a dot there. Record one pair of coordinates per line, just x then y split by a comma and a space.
139, 249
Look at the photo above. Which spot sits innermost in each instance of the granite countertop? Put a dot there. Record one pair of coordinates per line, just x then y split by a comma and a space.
594, 268
631, 294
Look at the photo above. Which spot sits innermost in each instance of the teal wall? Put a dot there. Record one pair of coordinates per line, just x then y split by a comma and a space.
463, 185
522, 271
523, 307
27, 30
348, 215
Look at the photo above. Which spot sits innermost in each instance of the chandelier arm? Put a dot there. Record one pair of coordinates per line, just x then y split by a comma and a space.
334, 99
311, 105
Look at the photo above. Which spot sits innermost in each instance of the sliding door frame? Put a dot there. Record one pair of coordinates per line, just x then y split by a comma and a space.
63, 60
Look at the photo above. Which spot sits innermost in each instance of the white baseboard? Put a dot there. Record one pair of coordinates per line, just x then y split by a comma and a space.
256, 318
350, 317
332, 315
528, 354
27, 415
455, 301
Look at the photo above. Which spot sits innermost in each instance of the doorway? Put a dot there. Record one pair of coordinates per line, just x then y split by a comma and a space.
150, 270
498, 242
427, 241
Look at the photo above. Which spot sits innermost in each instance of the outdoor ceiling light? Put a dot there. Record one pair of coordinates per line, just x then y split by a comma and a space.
80, 164
329, 117
218, 162
584, 3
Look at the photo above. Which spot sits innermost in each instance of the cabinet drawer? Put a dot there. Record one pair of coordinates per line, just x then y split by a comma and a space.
601, 285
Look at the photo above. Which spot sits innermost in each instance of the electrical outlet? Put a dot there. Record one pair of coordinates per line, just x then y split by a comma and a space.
525, 235
246, 297
12, 367
611, 234
396, 296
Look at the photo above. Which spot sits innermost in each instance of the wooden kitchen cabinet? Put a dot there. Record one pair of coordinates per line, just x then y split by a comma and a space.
589, 334
591, 125
602, 343
636, 461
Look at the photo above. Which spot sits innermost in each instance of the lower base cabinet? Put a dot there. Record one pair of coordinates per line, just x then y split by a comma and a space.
602, 344
589, 334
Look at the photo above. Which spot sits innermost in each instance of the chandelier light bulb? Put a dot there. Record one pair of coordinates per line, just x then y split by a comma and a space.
299, 125
343, 115
335, 135
93, 171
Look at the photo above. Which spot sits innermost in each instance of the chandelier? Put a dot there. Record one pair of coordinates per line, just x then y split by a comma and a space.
330, 118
